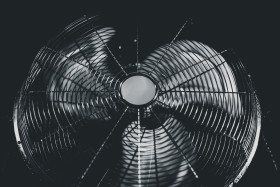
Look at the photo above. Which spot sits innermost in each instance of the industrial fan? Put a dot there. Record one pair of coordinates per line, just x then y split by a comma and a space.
185, 115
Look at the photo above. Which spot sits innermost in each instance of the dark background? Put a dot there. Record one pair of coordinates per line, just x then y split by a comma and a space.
251, 29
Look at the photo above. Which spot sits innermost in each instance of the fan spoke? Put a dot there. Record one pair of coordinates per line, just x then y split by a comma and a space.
76, 103
70, 91
137, 50
101, 148
163, 55
272, 156
201, 91
103, 177
195, 77
190, 66
139, 147
111, 53
177, 147
155, 157
132, 159
98, 93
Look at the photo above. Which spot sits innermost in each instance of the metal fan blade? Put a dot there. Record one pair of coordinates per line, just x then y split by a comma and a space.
190, 72
80, 81
151, 158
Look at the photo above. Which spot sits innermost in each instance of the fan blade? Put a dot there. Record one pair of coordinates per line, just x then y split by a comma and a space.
91, 50
78, 79
150, 158
190, 72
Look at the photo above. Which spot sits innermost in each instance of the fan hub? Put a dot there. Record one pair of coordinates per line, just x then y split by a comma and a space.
138, 90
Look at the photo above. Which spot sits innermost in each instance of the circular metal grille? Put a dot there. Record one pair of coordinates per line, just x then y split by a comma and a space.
194, 121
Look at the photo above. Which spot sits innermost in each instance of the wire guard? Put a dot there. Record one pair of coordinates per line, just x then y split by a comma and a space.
185, 115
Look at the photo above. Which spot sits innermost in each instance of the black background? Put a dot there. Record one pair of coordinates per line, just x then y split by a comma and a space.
251, 29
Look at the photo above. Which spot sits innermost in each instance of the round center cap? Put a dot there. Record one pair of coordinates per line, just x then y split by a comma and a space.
138, 90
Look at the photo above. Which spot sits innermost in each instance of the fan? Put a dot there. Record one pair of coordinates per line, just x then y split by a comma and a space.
185, 115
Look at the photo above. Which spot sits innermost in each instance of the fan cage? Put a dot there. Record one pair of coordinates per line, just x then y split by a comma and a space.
45, 131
